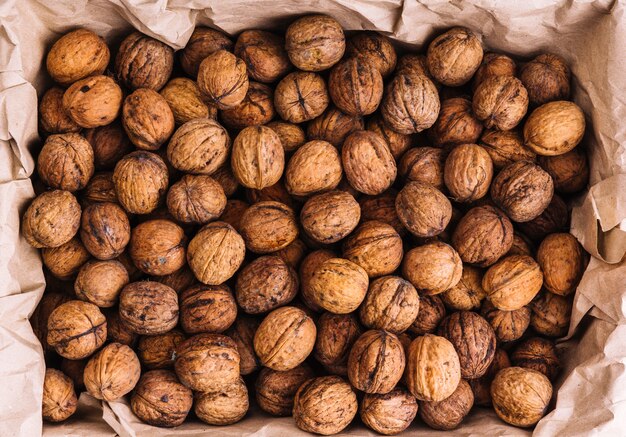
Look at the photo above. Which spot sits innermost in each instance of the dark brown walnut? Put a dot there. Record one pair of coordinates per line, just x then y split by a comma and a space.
157, 247
160, 399
551, 314
483, 235
265, 284
203, 42
507, 325
52, 219
398, 143
141, 180
315, 42
52, 115
109, 143
257, 108
242, 333
456, 123
74, 369
375, 49
223, 79
65, 261
468, 172
449, 413
258, 158
59, 400
523, 190
329, 217
275, 390
376, 247
325, 405
224, 176
66, 162
367, 161
285, 338
315, 167
196, 199
291, 135
468, 293
521, 245
454, 56
207, 308
356, 86
500, 102
415, 64
494, 64
293, 254
276, 193
562, 260
264, 54
76, 329
308, 267
474, 341
268, 226
149, 307
376, 362
112, 373
423, 209
538, 354
223, 405
569, 171
505, 147
147, 119
432, 268
39, 320
301, 96
382, 208
481, 386
389, 413
93, 101
513, 282
143, 62
200, 146
333, 126
105, 230
117, 330
158, 351
336, 333
184, 99
431, 313
100, 188
547, 78
554, 128
100, 282
338, 285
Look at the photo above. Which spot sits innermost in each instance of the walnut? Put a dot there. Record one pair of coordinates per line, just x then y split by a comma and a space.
66, 162
264, 54
494, 64
456, 123
324, 405
376, 247
207, 308
223, 79
93, 101
52, 115
423, 209
398, 143
112, 373
203, 42
149, 307
110, 143
376, 362
242, 333
433, 369
59, 398
275, 390
554, 128
356, 86
483, 235
141, 180
144, 62
65, 261
336, 333
410, 104
338, 285
431, 313
224, 176
468, 293
505, 147
158, 351
100, 282
99, 189
329, 217
233, 212
374, 48
184, 98
315, 167
293, 254
415, 64
449, 413
301, 96
547, 78
389, 413
382, 208
291, 135
432, 268
562, 261
39, 320
196, 199
569, 171
315, 42
258, 158
500, 102
76, 329
307, 269
551, 314
200, 146
157, 247
453, 57
268, 226
76, 55
223, 405
160, 399
105, 230
513, 282
368, 163
333, 126
117, 330
147, 119
538, 354
520, 396
468, 172
507, 325
521, 246
257, 108
52, 219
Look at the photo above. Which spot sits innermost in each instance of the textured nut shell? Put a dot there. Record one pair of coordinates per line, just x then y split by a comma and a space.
291, 135
391, 304
141, 180
521, 245
74, 369
233, 212
207, 308
276, 193
110, 143
117, 330
52, 219
333, 126
547, 78
52, 115
308, 267
389, 413
468, 172
423, 209
157, 247
158, 351
374, 48
315, 42
481, 387
223, 79
554, 128
368, 162
398, 143
242, 333
507, 325
468, 293
449, 413
160, 399
200, 146
39, 320
184, 98
329, 217
76, 329
144, 62
264, 54
59, 398
456, 123
423, 164
147, 119
294, 253
431, 313
268, 226
494, 64
356, 86
301, 96
538, 354
551, 314
505, 147
76, 55
275, 390
513, 282
500, 102
149, 307
202, 43
100, 282
112, 372
569, 171
338, 285
223, 405
196, 199
65, 261
432, 268
562, 260
99, 189
105, 230
336, 333
454, 56
382, 208
257, 108
410, 104
93, 101
224, 176
376, 247
315, 167
414, 64
258, 158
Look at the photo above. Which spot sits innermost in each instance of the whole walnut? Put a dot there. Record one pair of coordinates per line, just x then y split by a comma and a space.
65, 261
275, 390
184, 99
520, 396
382, 208
389, 413
268, 226
375, 49
315, 42
307, 269
324, 405
336, 333
376, 247
264, 54
554, 128
432, 268
109, 143
423, 164
538, 354
158, 351
483, 236
505, 147
500, 102
454, 56
569, 171
338, 285
157, 247
52, 115
494, 64
39, 319
449, 413
369, 166
100, 282
398, 143
291, 135
105, 230
100, 188
431, 313
301, 96
456, 123
196, 199
547, 78
141, 180
202, 43
551, 314
200, 146
258, 158
329, 217
265, 284
149, 307
144, 62
93, 101
52, 219
76, 55
222, 405
223, 79
333, 126
257, 108
242, 333
433, 369
376, 362
468, 293
356, 86
59, 398
160, 399
112, 373
468, 172
207, 308
285, 338
147, 119
423, 209
315, 167
118, 331
76, 329
513, 282
562, 260
507, 325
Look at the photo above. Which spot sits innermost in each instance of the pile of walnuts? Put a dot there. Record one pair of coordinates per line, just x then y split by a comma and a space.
305, 220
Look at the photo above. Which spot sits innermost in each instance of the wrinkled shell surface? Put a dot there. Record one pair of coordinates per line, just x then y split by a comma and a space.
333, 126
268, 226
432, 268
423, 209
374, 48
507, 325
538, 354
147, 119
431, 313
258, 158
160, 399
554, 128
105, 230
505, 147
59, 398
157, 247
207, 308
315, 167
275, 390
100, 282
196, 199
338, 285
494, 64
456, 123
291, 135
423, 164
300, 97
242, 333
264, 54
368, 163
562, 260
376, 247
551, 314
223, 405
112, 373
110, 143
468, 172
398, 143
389, 413
144, 62
356, 86
52, 116
468, 293
223, 79
454, 56
449, 413
65, 261
513, 282
76, 329
569, 171
149, 307
547, 78
500, 102
184, 98
329, 217
158, 351
336, 333
200, 146
202, 43
93, 101
315, 42
141, 180
76, 55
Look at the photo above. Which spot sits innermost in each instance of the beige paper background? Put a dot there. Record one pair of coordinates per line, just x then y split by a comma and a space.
591, 35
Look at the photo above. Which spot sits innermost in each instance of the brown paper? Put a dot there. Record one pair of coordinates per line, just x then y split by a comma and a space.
590, 34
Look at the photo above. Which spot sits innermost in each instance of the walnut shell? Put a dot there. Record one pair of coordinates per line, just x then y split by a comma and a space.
336, 333
500, 102
52, 115
481, 387
264, 54
554, 128
233, 212
144, 62
507, 325
149, 307
39, 319
301, 96
547, 78
207, 308
315, 42
158, 351
468, 293
293, 254
538, 354
456, 123
203, 42
196, 199
291, 135
562, 260
468, 172
110, 143
513, 282
415, 64
65, 261
223, 79
118, 331
141, 180
432, 268
368, 163
99, 189
76, 329
184, 99
324, 405
329, 217
376, 247
423, 209
59, 398
454, 56
431, 313
275, 390
338, 285
333, 126
494, 64
100, 282
521, 245
223, 405
389, 413
242, 333
449, 413
398, 143
112, 373
308, 267
391, 303
160, 399
382, 208
551, 314
51, 220
147, 119
258, 158
105, 230
93, 101
257, 108
157, 247
76, 55
315, 167
505, 147
268, 226
374, 48
200, 146
224, 176
356, 86
569, 171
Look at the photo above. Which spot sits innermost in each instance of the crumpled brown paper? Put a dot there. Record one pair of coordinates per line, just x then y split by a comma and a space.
591, 35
